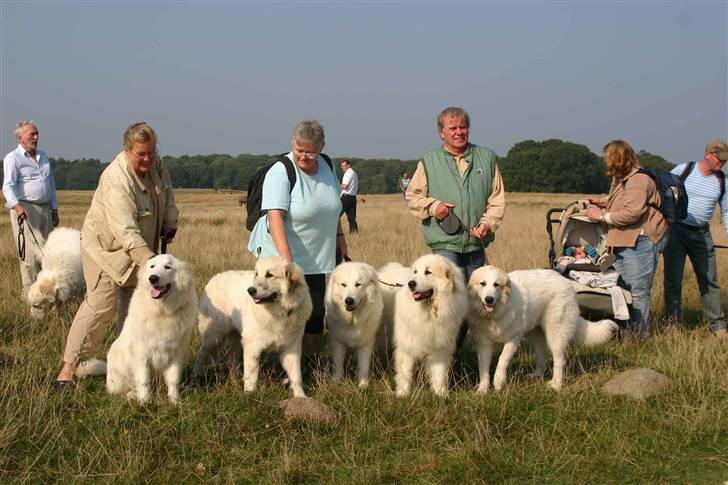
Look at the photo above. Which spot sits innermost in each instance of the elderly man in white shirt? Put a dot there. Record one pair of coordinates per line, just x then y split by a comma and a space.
349, 189
30, 194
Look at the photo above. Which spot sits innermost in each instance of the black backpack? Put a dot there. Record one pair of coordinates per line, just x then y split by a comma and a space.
674, 198
255, 186
721, 176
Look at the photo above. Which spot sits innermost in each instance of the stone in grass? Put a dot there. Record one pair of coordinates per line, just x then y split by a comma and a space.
308, 409
637, 383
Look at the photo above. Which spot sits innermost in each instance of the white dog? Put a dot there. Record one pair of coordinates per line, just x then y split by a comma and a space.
353, 315
427, 316
539, 305
157, 330
267, 307
62, 275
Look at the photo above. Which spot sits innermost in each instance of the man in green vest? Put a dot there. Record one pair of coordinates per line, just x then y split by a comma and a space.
458, 181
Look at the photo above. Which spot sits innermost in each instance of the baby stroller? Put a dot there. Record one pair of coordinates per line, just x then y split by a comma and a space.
600, 292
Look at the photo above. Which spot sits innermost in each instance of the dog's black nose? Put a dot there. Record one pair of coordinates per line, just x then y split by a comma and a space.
252, 291
412, 285
153, 279
349, 301
489, 300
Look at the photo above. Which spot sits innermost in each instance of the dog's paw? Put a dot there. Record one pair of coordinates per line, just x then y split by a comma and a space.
402, 393
363, 383
482, 388
556, 386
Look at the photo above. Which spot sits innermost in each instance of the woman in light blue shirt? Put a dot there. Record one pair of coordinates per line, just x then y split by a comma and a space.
302, 223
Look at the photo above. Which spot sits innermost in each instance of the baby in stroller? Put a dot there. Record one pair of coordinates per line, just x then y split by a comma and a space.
582, 254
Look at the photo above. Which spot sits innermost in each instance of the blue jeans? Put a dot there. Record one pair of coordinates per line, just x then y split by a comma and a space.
468, 262
695, 243
637, 266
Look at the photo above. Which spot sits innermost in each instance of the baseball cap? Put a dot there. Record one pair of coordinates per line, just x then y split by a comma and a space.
718, 147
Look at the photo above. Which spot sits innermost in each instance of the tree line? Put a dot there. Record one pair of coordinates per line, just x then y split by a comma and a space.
529, 166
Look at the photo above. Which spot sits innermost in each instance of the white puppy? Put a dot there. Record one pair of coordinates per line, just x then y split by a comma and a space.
427, 316
62, 275
353, 315
539, 305
267, 307
157, 330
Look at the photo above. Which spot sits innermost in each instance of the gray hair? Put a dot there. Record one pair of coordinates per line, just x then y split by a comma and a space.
455, 112
309, 132
22, 124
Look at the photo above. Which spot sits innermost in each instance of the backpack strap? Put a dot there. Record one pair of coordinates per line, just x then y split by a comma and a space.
721, 176
328, 160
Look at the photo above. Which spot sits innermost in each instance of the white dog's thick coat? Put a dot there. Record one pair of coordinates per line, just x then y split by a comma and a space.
539, 305
428, 313
353, 315
267, 307
61, 276
157, 330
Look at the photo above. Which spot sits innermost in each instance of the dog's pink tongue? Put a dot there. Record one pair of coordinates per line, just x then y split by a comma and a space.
156, 293
488, 308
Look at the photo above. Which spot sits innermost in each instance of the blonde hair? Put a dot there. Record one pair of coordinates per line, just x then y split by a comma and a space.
139, 133
22, 124
620, 158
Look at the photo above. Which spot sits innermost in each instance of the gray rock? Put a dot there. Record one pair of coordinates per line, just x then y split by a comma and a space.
308, 409
637, 383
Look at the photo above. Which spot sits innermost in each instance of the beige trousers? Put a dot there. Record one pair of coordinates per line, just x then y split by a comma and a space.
95, 313
40, 221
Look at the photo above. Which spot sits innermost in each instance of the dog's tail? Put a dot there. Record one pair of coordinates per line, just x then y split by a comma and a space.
91, 367
594, 333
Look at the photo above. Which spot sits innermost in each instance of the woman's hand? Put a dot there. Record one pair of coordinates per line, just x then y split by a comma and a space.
596, 202
594, 213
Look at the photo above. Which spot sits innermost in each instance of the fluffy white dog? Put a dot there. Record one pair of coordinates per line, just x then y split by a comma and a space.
539, 305
427, 316
267, 307
157, 330
62, 275
353, 315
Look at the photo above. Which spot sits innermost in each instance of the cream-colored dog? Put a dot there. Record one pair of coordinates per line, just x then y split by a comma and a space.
427, 316
267, 307
538, 305
353, 315
157, 330
61, 276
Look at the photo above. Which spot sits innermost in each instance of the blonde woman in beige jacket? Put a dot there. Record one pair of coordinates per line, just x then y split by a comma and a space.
637, 229
132, 210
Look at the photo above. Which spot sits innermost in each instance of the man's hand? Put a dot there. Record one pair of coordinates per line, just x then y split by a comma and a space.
20, 212
443, 209
168, 233
54, 217
479, 231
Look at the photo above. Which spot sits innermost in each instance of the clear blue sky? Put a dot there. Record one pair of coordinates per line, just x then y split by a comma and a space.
234, 77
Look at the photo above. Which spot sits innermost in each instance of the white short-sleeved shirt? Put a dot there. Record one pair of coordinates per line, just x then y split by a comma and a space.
312, 214
351, 179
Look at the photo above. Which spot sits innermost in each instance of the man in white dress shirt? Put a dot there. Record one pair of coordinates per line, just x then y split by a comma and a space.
30, 194
349, 189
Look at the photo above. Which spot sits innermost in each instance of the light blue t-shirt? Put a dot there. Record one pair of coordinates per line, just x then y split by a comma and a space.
312, 214
703, 194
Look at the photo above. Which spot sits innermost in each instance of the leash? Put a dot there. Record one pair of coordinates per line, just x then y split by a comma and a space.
21, 239
391, 285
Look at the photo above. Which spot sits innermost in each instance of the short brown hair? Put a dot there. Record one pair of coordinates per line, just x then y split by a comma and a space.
620, 158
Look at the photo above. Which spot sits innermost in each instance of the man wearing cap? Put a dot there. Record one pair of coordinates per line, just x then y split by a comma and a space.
691, 237
457, 191
30, 194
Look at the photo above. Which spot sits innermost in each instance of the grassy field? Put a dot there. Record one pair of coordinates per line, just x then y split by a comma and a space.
525, 433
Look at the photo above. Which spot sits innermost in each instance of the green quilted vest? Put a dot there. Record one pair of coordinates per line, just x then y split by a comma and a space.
469, 193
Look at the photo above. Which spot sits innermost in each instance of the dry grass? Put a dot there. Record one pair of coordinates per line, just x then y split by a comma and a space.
217, 433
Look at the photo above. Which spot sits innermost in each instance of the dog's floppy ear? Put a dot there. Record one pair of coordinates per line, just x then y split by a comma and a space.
183, 275
506, 284
293, 276
373, 287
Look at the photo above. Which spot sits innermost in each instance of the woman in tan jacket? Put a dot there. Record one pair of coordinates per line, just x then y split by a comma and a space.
132, 209
637, 229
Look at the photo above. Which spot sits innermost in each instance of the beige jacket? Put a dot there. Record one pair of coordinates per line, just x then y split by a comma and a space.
123, 226
422, 206
631, 210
